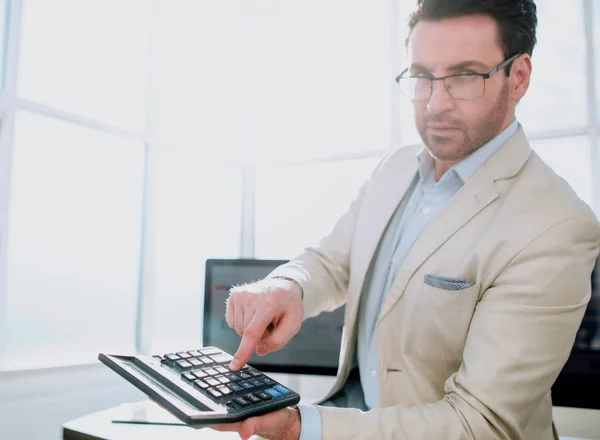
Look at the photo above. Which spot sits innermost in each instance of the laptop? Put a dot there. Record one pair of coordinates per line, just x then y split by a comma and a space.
314, 350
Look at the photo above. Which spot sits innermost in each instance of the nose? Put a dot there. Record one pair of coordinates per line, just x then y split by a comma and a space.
440, 100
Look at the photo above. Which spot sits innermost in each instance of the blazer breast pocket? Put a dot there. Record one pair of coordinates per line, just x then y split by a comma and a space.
446, 283
444, 290
440, 315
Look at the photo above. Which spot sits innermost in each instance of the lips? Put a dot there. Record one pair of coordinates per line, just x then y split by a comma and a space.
441, 127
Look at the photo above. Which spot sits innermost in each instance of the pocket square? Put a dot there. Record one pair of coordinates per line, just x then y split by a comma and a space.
446, 283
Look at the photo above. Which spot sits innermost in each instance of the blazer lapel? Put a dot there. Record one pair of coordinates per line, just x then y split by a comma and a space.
389, 187
477, 193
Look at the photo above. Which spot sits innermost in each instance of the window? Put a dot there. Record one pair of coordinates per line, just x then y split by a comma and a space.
73, 250
313, 100
304, 94
197, 211
298, 205
557, 98
577, 171
171, 131
91, 61
74, 142
3, 34
596, 45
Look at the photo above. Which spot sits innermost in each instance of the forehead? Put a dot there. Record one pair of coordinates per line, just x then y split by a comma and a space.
445, 42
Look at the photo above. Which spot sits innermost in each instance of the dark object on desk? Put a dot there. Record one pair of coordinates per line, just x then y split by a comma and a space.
581, 374
198, 388
314, 350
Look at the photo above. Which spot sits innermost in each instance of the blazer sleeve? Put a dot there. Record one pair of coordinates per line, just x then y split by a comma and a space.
521, 335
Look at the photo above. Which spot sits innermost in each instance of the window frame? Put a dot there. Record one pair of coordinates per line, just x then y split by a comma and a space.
10, 103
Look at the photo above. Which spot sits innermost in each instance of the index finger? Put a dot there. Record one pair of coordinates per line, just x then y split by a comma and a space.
250, 339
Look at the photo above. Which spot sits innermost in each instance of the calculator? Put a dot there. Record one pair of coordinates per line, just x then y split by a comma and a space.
198, 387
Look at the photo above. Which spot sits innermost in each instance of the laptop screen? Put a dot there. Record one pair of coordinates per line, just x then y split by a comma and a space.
314, 350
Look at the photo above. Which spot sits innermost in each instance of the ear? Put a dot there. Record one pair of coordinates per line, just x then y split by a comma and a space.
520, 76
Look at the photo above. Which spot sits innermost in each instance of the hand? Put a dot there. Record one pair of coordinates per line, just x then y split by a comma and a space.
266, 314
284, 424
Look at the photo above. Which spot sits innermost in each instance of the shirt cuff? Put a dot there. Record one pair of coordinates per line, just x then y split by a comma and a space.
310, 418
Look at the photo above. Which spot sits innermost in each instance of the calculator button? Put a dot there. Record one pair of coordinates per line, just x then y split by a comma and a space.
222, 379
273, 393
209, 351
267, 380
199, 374
206, 360
189, 376
233, 377
223, 357
214, 392
241, 401
246, 385
210, 371
183, 365
172, 357
252, 398
212, 381
245, 375
224, 390
156, 356
263, 395
283, 390
183, 355
195, 362
256, 382
235, 387
201, 384
222, 369
194, 353
252, 372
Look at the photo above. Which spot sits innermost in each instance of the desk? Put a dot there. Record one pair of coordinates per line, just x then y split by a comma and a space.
100, 426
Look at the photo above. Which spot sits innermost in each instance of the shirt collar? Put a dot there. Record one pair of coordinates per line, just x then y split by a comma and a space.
468, 166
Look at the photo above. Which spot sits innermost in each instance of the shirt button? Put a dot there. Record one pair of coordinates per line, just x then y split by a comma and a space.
426, 211
373, 373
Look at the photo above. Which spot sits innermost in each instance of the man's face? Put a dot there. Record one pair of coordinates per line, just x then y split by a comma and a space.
450, 128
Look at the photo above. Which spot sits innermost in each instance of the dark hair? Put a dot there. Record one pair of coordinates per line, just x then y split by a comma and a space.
517, 19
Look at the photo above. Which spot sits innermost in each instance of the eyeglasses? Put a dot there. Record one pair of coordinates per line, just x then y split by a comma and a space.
463, 86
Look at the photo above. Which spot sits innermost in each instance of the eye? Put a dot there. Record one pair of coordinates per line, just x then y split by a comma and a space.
468, 72
422, 75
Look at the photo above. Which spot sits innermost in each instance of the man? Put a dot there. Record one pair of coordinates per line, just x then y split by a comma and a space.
464, 266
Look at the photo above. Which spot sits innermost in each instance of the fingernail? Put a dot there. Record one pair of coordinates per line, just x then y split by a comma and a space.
234, 364
262, 348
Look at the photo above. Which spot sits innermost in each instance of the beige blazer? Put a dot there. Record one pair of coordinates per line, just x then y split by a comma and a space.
471, 364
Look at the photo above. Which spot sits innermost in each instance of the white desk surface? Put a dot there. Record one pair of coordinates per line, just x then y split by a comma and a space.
100, 425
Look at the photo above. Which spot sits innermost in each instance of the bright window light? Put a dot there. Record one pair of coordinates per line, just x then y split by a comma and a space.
90, 58
74, 243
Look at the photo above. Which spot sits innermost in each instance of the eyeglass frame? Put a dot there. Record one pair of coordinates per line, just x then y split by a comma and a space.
485, 76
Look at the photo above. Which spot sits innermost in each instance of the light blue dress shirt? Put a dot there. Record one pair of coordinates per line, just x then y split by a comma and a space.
424, 200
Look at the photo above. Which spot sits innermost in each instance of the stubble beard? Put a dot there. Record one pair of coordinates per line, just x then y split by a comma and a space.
465, 140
